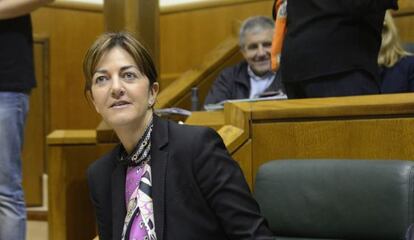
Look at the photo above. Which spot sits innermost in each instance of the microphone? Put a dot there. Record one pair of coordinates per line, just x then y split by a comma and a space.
194, 99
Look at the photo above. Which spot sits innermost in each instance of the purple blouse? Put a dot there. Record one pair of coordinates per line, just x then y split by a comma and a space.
133, 177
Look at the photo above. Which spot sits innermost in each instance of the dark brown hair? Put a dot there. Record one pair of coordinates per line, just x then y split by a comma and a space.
126, 41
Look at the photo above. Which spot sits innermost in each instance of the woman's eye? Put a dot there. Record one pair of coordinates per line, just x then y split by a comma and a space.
129, 75
100, 79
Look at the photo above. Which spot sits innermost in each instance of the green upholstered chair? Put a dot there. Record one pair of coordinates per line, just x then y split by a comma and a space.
337, 199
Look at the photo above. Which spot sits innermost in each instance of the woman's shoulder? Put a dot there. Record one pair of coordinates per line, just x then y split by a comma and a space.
183, 137
407, 61
404, 65
407, 65
105, 163
185, 130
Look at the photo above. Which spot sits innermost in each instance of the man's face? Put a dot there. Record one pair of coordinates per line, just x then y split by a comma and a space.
256, 50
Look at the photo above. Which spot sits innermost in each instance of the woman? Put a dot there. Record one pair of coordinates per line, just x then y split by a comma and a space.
164, 181
396, 65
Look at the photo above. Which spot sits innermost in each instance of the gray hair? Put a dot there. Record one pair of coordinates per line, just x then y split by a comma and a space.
257, 23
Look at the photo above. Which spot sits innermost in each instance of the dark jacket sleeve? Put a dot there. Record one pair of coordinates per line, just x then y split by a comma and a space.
221, 89
223, 185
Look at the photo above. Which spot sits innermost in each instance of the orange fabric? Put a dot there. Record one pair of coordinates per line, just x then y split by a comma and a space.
279, 33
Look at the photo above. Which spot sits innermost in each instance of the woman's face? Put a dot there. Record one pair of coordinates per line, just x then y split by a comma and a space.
121, 94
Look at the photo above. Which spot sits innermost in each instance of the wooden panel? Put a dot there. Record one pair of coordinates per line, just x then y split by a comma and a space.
214, 120
34, 148
376, 126
405, 5
405, 25
140, 17
173, 7
72, 137
238, 115
244, 157
348, 139
78, 5
368, 105
404, 19
71, 213
233, 137
70, 32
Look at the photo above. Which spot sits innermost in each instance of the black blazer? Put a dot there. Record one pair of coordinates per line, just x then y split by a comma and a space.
198, 191
326, 37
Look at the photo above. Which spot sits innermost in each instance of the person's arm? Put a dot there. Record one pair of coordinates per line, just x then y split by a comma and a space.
220, 90
16, 8
224, 187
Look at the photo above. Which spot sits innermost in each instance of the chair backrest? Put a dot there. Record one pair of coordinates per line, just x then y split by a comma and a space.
337, 199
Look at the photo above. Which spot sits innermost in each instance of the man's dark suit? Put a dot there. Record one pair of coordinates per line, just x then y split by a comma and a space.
234, 83
327, 38
198, 191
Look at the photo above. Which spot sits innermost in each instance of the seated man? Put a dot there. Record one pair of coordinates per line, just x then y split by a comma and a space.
251, 78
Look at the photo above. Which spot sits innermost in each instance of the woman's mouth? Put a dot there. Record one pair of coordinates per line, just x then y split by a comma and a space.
119, 104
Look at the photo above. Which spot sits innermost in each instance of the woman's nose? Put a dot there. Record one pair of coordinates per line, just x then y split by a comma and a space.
117, 89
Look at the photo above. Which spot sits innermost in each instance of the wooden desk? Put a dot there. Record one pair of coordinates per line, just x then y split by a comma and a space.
362, 127
214, 119
70, 212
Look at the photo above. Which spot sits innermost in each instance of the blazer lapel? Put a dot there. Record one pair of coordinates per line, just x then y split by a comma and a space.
159, 157
118, 200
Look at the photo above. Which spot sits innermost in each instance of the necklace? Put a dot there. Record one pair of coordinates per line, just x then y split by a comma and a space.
141, 152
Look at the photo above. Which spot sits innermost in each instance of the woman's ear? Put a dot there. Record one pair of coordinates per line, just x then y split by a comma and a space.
154, 89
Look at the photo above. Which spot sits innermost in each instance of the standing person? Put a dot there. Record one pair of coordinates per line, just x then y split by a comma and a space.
252, 77
330, 47
164, 180
396, 64
16, 80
